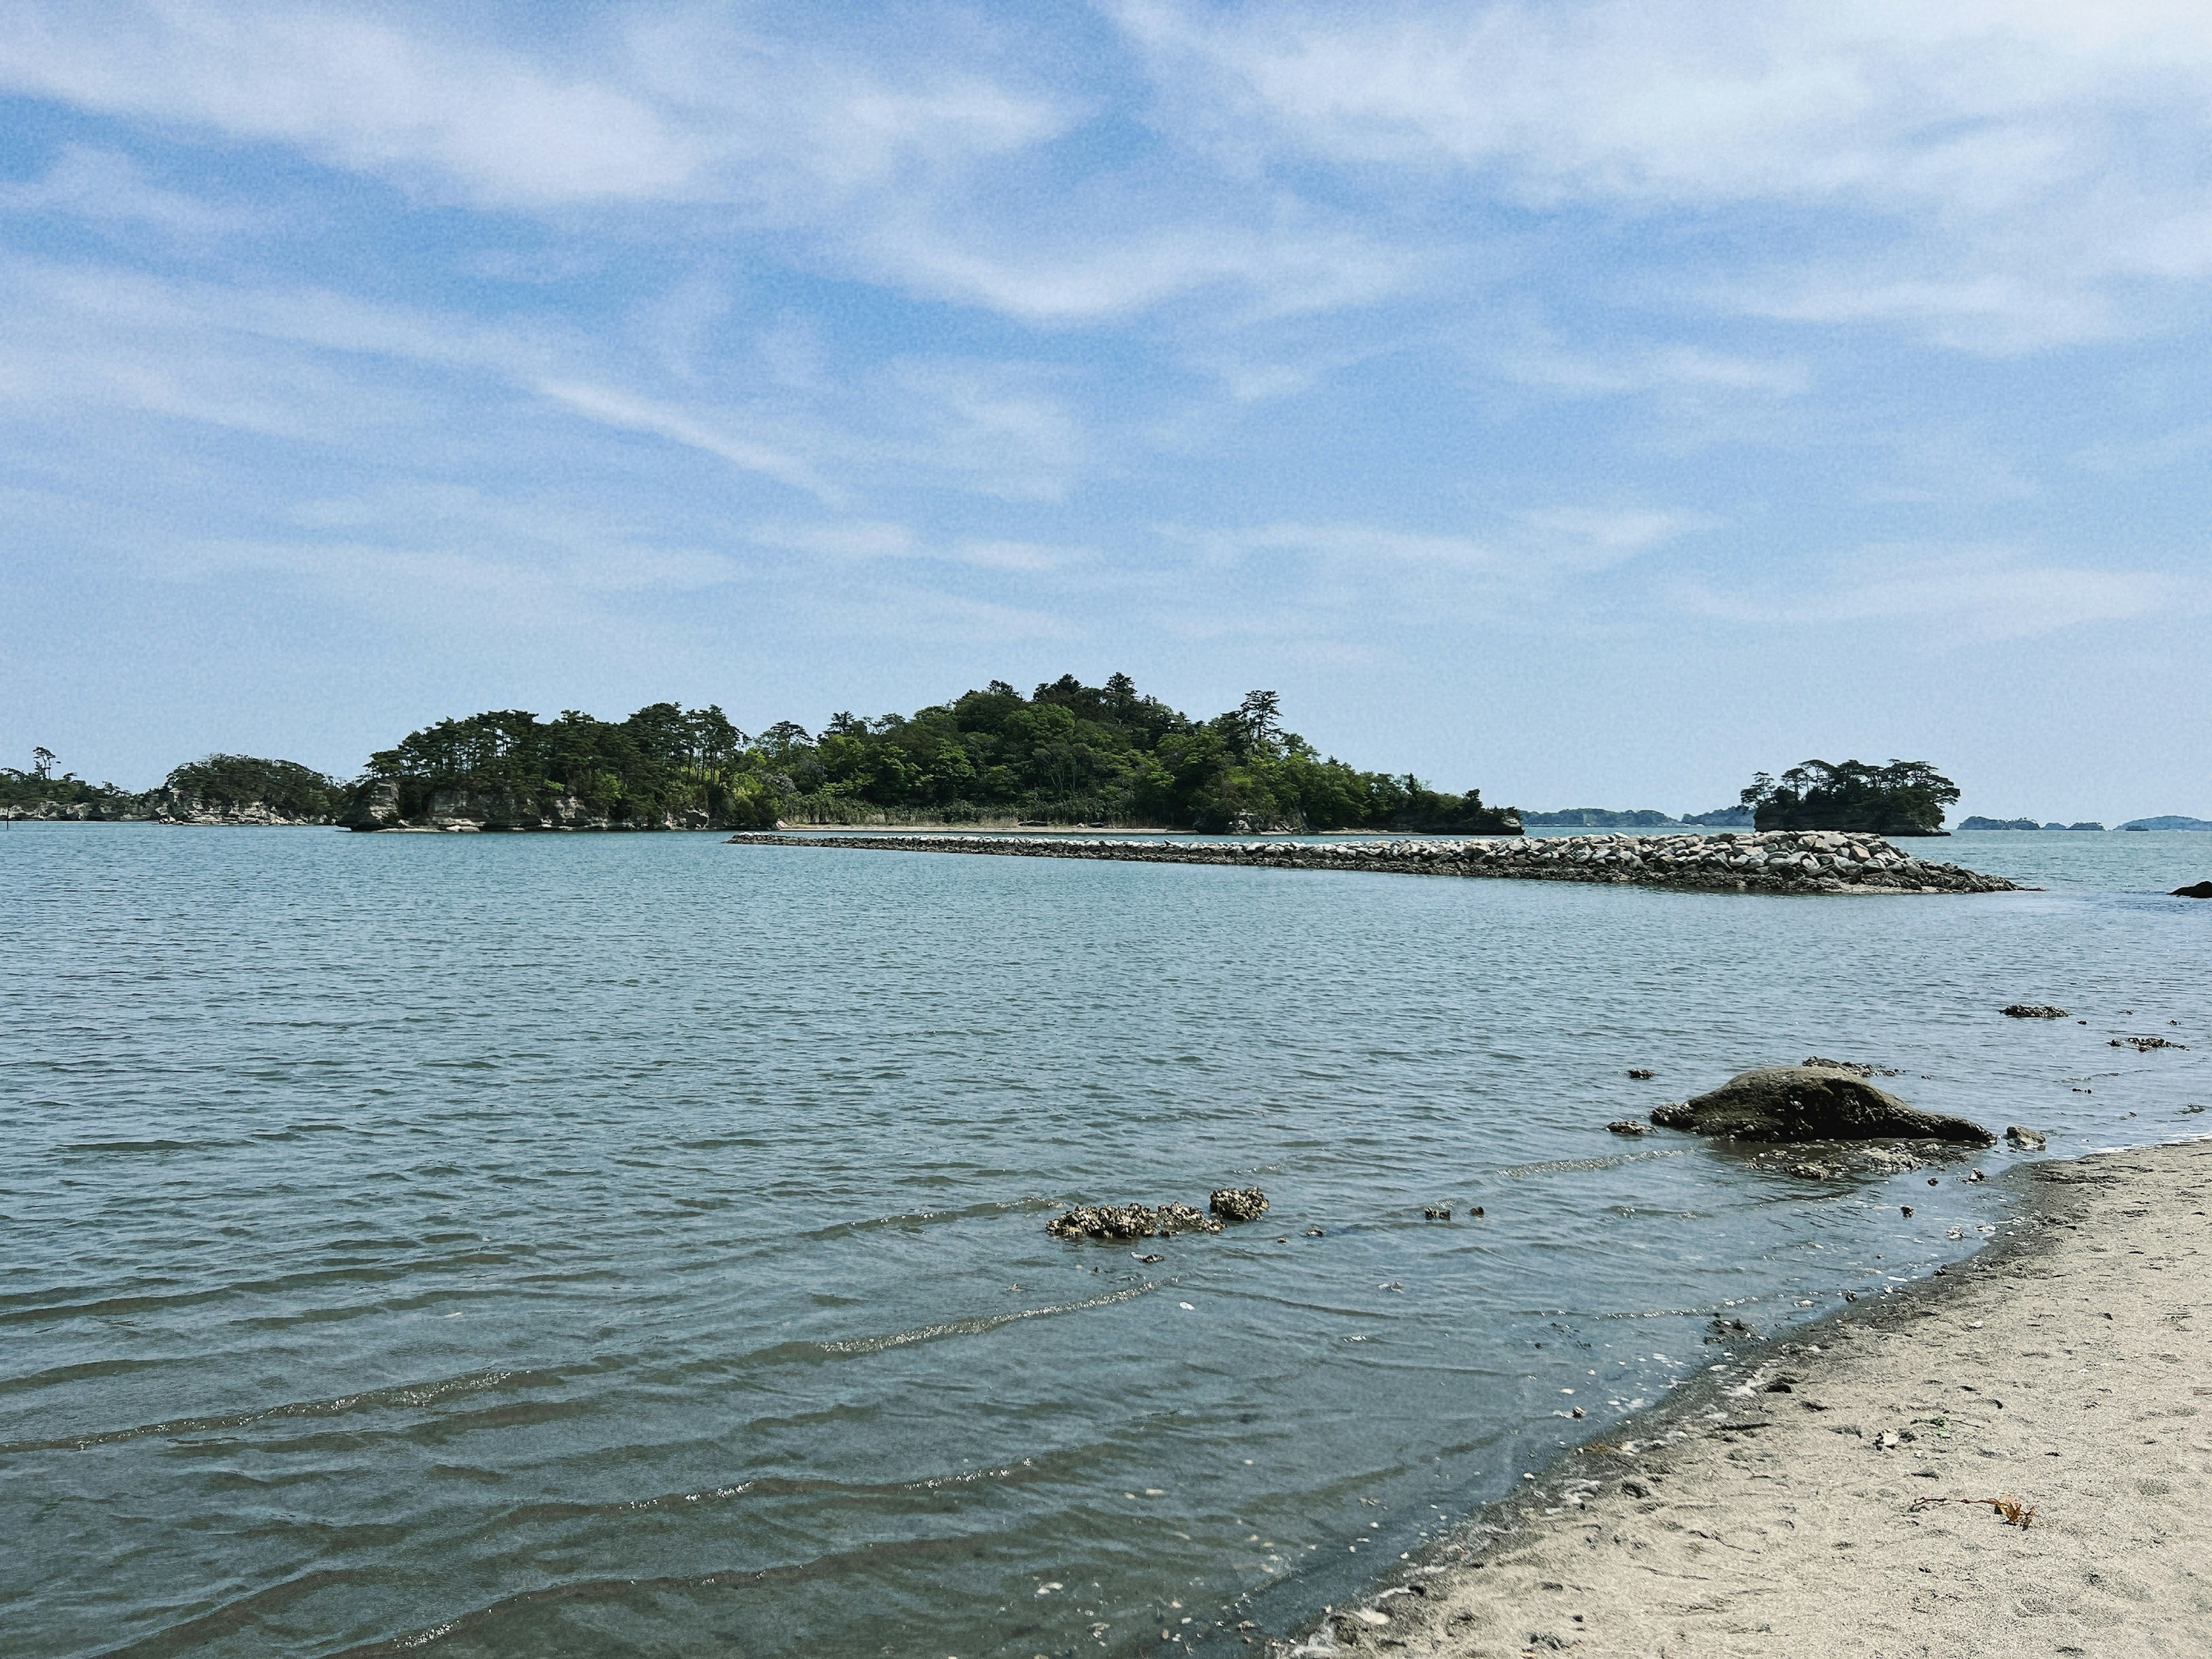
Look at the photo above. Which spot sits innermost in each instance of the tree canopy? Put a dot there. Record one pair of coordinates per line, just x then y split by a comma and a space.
1066, 753
1905, 798
230, 781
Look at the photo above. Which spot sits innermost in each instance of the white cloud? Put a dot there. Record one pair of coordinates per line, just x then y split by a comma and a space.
1971, 105
672, 108
1985, 174
636, 414
1535, 542
106, 187
1977, 593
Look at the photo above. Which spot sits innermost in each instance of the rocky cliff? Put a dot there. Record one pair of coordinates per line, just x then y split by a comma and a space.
158, 806
377, 806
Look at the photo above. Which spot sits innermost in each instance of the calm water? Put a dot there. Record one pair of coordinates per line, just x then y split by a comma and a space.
494, 1245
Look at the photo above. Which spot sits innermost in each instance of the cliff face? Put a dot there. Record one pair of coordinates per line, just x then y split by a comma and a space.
381, 804
165, 805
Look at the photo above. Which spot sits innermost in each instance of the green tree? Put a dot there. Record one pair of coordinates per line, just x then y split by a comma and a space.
1905, 798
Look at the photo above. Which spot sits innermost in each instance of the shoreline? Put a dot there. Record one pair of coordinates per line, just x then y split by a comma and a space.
1779, 1502
1777, 861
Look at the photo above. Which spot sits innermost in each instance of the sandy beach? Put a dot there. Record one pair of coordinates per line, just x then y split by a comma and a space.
1823, 1494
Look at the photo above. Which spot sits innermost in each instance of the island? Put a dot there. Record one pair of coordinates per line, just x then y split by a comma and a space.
1066, 756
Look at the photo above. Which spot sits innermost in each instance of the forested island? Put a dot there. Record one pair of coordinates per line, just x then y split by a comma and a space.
1905, 798
1068, 754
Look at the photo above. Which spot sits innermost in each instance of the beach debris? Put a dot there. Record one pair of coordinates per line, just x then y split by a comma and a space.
1641, 1073
2143, 1045
1237, 1203
1629, 1126
2027, 1140
2199, 890
1811, 1103
2010, 1509
1436, 1212
2032, 1010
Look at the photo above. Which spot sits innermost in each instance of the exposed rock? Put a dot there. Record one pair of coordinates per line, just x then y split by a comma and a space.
2143, 1045
1641, 1072
1628, 1125
2027, 1140
1127, 1221
1812, 861
163, 806
1854, 1067
1812, 1103
2201, 890
1238, 1203
2032, 1010
375, 806
1180, 1217
1105, 1221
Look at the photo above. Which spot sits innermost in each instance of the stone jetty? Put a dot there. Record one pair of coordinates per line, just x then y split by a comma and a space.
1781, 861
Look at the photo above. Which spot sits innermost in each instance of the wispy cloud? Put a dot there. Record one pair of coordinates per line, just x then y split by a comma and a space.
636, 414
1975, 593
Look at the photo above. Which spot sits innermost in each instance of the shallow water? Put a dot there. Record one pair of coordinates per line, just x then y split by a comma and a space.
494, 1245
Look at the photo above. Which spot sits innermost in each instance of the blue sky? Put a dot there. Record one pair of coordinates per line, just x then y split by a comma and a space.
1594, 403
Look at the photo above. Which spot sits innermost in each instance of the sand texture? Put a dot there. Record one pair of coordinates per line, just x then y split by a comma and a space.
2069, 1367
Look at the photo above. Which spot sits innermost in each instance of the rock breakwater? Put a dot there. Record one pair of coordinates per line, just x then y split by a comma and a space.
1781, 861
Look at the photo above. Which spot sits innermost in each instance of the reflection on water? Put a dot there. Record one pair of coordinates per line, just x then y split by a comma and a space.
500, 1245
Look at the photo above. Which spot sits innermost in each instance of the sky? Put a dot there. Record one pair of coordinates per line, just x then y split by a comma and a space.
1592, 403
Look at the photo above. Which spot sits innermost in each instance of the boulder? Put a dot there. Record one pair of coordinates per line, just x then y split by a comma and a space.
2028, 1140
1812, 1103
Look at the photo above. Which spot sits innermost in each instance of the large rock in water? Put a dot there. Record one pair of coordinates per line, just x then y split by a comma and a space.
1812, 1103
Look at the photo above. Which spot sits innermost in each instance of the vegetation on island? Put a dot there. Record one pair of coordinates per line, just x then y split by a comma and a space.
232, 782
1066, 754
1905, 798
40, 785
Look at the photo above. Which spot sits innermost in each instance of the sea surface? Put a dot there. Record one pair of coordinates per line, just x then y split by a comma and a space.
497, 1245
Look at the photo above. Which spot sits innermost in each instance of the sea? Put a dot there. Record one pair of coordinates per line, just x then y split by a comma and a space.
636, 1244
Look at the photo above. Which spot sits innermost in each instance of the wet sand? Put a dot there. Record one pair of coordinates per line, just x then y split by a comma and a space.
1783, 1506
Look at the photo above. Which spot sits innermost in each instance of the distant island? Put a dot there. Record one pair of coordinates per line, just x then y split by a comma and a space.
1905, 798
1643, 818
1069, 754
2021, 823
1600, 818
2169, 823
